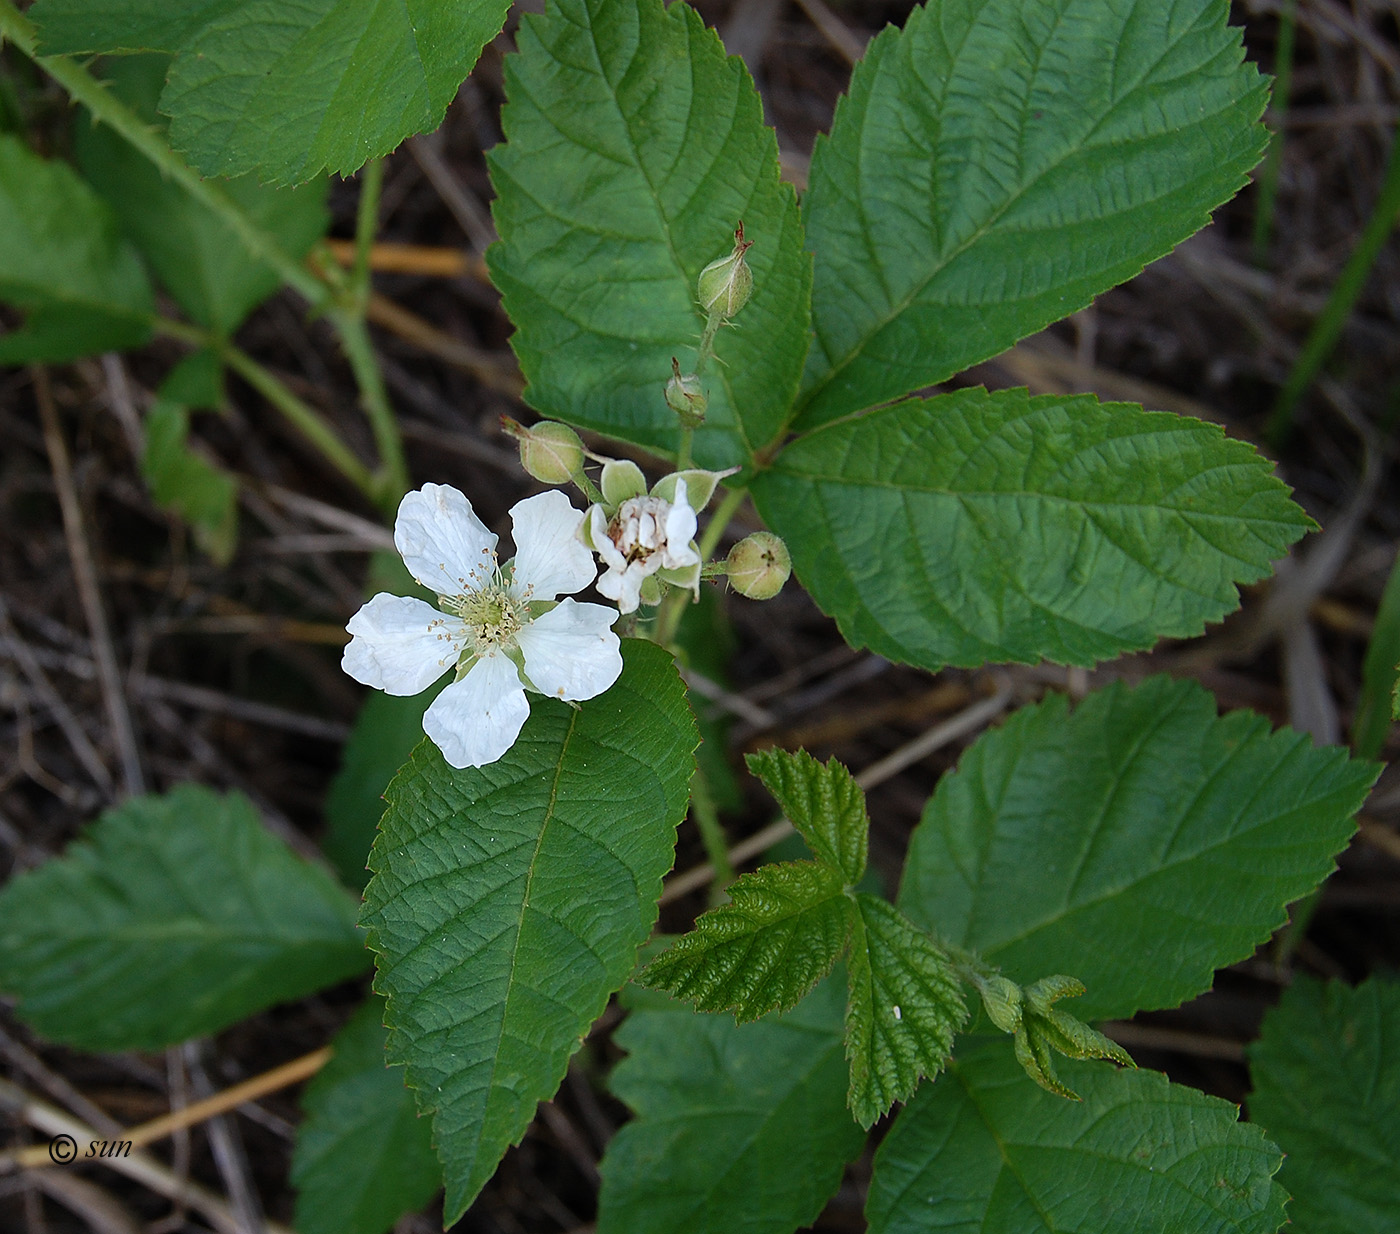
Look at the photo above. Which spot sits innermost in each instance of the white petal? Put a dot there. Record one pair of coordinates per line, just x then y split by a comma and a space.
400, 644
571, 651
598, 531
550, 559
680, 530
625, 585
442, 542
476, 720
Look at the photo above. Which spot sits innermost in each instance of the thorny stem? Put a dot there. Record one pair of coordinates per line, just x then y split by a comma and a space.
306, 419
107, 109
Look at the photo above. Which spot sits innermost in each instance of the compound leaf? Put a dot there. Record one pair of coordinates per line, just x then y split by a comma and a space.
633, 148
508, 903
740, 1129
784, 927
905, 1005
824, 803
997, 165
191, 249
1326, 1072
980, 526
989, 1153
64, 263
363, 1156
171, 917
288, 90
1137, 844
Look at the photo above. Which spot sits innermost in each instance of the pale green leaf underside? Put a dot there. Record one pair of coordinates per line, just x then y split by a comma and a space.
64, 264
983, 1151
784, 927
288, 90
191, 249
978, 527
633, 148
905, 1004
740, 1129
824, 803
996, 165
363, 1156
508, 903
171, 917
1137, 844
1326, 1074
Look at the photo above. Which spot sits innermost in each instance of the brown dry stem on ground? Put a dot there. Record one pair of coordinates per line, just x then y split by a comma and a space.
129, 662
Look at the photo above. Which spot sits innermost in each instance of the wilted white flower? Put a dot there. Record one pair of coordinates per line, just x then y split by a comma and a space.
646, 534
498, 626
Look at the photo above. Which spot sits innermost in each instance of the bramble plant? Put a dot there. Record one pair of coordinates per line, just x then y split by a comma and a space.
994, 166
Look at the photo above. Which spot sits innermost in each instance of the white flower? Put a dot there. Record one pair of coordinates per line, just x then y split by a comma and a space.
497, 626
646, 534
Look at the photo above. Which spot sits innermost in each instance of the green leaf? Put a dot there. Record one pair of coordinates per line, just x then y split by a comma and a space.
385, 733
982, 527
288, 90
64, 264
1138, 844
202, 494
782, 930
191, 249
983, 1152
905, 1005
633, 148
1380, 686
509, 901
363, 1156
1326, 1073
170, 917
823, 802
996, 165
740, 1129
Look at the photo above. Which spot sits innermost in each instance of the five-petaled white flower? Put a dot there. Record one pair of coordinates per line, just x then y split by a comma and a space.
498, 626
646, 534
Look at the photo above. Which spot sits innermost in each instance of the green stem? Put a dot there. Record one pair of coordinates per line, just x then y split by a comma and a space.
366, 228
1273, 161
304, 418
706, 816
683, 452
108, 109
1328, 327
707, 342
733, 499
668, 620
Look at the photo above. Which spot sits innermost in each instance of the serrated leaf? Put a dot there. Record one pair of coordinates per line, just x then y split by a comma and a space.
64, 264
980, 526
187, 483
633, 148
996, 165
905, 1005
784, 927
191, 249
1326, 1074
508, 903
740, 1129
824, 803
171, 917
1138, 844
983, 1152
288, 90
363, 1157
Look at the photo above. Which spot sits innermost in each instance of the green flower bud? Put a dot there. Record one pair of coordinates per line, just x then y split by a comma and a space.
550, 452
685, 397
725, 285
758, 566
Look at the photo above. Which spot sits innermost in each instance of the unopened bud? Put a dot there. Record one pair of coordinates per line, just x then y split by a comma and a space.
725, 285
551, 452
758, 566
685, 397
